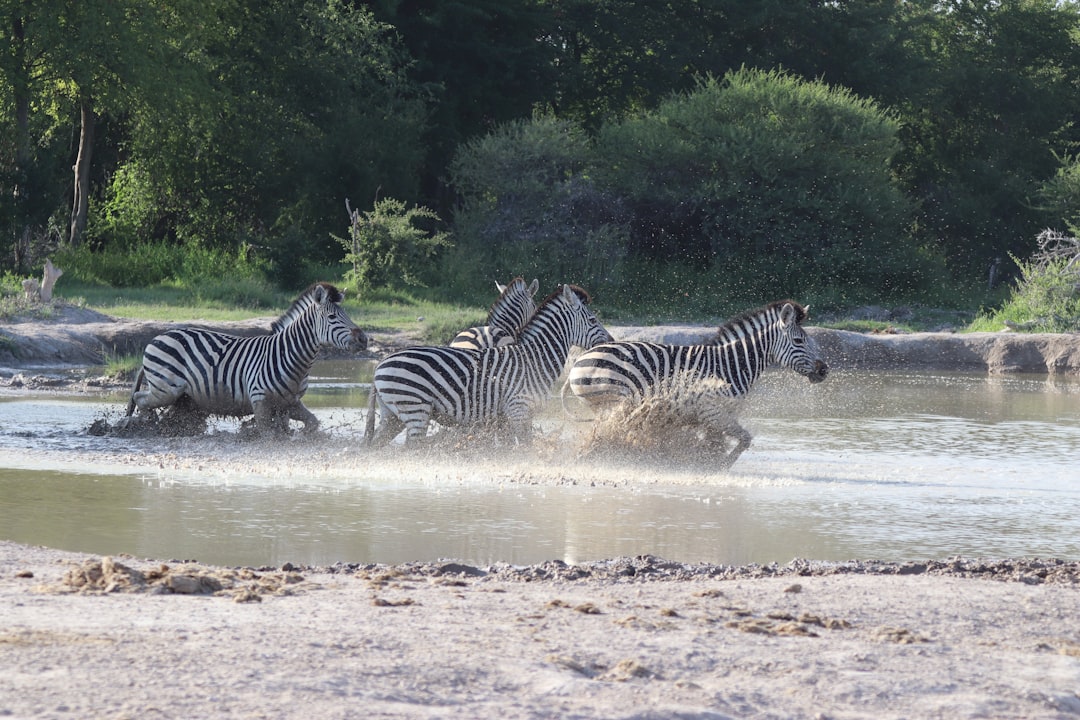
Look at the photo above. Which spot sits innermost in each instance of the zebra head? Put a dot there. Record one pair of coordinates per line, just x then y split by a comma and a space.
795, 349
585, 328
515, 306
332, 325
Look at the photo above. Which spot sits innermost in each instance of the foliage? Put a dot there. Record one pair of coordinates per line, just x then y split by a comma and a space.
209, 273
1047, 295
241, 127
1060, 195
994, 101
391, 244
480, 63
777, 185
759, 185
530, 208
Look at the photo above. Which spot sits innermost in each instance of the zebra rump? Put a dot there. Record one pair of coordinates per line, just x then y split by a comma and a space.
264, 375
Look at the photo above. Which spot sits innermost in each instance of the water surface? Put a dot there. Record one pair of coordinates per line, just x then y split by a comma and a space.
876, 466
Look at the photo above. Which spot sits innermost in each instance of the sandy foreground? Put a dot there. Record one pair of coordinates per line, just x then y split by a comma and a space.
91, 637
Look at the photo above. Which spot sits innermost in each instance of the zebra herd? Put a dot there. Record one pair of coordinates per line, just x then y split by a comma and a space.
496, 375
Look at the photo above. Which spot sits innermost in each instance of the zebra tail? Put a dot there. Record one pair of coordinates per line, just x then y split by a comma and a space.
566, 409
138, 384
369, 421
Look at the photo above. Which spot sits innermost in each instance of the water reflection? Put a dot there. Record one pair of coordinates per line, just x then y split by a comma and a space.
878, 466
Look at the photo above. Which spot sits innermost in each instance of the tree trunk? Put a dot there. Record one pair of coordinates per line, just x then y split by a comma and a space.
80, 202
20, 83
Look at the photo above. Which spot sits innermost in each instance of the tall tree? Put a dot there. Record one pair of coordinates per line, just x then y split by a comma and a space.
77, 62
481, 63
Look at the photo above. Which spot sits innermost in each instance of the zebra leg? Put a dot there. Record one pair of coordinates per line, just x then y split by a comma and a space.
268, 416
157, 396
299, 412
742, 442
138, 384
389, 423
369, 421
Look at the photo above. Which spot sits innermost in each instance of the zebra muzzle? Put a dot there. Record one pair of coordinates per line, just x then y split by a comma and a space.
820, 372
359, 340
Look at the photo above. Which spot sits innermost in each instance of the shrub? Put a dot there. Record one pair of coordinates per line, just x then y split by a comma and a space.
777, 183
1047, 295
389, 244
530, 208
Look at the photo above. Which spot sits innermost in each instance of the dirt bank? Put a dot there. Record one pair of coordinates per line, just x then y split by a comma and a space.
80, 337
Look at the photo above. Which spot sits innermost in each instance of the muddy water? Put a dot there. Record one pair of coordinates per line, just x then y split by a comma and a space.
882, 466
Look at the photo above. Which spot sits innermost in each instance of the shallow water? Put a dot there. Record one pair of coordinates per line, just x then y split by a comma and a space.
881, 466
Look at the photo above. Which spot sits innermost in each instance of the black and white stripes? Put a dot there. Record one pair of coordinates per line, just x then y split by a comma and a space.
741, 351
264, 375
506, 318
471, 387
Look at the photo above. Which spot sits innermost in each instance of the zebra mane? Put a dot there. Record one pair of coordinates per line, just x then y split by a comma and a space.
303, 302
551, 299
800, 315
581, 292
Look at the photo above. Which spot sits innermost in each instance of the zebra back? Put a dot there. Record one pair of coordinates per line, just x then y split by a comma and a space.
507, 315
741, 351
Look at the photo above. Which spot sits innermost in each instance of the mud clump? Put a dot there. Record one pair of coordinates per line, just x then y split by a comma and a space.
107, 575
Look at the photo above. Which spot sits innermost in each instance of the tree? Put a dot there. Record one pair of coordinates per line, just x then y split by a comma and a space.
392, 244
529, 207
996, 104
778, 184
481, 63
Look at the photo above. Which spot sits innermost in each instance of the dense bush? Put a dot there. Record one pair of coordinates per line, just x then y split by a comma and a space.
753, 187
775, 184
530, 208
392, 245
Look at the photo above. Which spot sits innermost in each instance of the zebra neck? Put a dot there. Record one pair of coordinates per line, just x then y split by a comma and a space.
545, 341
747, 347
297, 347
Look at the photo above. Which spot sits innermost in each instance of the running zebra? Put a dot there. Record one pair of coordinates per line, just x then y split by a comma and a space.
507, 316
473, 387
635, 371
264, 375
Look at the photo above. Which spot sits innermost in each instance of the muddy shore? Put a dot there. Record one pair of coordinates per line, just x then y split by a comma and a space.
75, 337
87, 636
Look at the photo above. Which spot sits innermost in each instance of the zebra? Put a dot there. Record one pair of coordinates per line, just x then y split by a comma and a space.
506, 317
699, 375
493, 385
263, 375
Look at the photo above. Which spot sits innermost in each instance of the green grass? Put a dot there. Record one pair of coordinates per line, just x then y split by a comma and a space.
380, 311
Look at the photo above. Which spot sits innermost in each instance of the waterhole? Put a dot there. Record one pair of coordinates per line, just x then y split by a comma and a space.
887, 466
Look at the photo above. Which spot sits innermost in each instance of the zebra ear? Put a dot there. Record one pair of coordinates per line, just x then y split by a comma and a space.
568, 293
788, 316
320, 294
500, 288
534, 286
